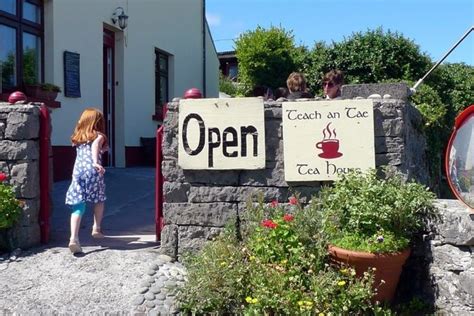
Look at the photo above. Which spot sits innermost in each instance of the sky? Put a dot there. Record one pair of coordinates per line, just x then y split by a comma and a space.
434, 25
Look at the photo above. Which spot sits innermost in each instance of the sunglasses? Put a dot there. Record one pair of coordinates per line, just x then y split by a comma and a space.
329, 84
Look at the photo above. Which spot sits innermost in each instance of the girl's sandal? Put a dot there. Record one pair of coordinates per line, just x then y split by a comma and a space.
97, 233
74, 247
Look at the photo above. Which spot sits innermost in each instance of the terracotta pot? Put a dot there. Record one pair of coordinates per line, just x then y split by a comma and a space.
388, 268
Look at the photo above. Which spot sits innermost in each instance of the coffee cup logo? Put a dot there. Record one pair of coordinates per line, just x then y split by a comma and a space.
329, 145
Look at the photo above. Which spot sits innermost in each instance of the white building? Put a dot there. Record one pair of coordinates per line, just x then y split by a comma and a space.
165, 49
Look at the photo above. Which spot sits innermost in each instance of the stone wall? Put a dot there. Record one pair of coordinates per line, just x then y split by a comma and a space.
440, 270
199, 202
19, 160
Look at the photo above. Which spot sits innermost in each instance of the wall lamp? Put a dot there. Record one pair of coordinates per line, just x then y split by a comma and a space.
120, 16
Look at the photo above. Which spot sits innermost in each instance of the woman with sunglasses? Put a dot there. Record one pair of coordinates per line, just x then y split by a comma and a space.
332, 83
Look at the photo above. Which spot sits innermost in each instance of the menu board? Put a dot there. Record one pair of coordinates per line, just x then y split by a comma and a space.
72, 79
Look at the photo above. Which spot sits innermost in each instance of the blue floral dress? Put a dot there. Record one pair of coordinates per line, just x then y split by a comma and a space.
87, 184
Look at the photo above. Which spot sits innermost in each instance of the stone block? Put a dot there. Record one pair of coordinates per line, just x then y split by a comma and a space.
28, 236
169, 240
25, 179
456, 223
171, 121
450, 293
206, 214
173, 173
273, 149
273, 112
389, 145
2, 130
193, 238
451, 258
206, 194
21, 126
176, 192
170, 146
273, 175
387, 110
19, 150
396, 90
467, 283
274, 128
30, 213
23, 108
392, 159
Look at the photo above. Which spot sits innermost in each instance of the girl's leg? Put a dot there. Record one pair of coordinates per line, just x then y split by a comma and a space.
77, 211
98, 215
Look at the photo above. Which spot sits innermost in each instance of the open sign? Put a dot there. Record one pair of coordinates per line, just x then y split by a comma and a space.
221, 134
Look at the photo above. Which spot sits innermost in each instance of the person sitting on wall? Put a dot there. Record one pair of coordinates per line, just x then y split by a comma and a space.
332, 83
281, 92
296, 84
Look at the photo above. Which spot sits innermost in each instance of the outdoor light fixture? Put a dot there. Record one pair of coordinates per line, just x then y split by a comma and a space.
120, 16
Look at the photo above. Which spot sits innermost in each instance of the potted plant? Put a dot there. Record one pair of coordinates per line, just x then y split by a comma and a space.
10, 211
44, 91
370, 223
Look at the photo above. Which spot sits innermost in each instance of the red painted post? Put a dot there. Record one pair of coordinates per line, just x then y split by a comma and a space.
45, 204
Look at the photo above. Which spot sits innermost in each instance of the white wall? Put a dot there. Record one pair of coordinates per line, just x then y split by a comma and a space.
173, 26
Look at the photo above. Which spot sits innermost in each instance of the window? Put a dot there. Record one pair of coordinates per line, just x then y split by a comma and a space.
161, 82
21, 43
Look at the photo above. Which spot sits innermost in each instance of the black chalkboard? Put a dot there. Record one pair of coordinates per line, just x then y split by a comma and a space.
72, 79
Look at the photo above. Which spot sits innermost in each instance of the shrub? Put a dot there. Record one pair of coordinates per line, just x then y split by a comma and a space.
266, 57
276, 267
364, 213
10, 207
227, 86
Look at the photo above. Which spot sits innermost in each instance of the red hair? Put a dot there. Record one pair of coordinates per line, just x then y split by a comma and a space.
89, 126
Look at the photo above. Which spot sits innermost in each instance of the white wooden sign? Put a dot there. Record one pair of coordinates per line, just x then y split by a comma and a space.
221, 134
323, 139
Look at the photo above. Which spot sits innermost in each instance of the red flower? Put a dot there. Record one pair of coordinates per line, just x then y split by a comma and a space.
288, 217
269, 223
3, 177
274, 203
293, 200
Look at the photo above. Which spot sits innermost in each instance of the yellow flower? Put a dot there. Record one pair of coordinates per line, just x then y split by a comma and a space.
254, 301
248, 299
300, 303
284, 261
252, 258
343, 271
341, 283
321, 314
223, 263
308, 303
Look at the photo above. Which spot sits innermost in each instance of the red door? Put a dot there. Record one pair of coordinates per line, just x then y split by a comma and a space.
109, 95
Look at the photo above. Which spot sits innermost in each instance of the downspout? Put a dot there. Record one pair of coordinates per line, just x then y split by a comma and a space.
204, 92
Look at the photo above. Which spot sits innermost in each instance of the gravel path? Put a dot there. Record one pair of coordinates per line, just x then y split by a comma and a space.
52, 281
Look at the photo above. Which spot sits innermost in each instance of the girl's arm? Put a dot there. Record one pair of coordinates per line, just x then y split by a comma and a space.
96, 145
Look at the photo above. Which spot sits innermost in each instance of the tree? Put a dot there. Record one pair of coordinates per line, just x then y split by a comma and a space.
266, 57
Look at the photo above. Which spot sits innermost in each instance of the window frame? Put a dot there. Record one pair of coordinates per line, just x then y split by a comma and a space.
22, 25
159, 75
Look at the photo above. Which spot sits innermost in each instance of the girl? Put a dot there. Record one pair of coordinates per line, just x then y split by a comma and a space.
88, 175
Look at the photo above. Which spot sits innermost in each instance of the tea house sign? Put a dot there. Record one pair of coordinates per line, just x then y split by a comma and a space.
323, 139
221, 134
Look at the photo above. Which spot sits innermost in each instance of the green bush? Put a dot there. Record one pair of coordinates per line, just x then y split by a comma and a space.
227, 86
276, 267
364, 213
10, 207
266, 57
